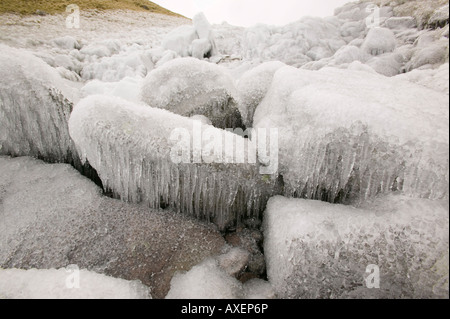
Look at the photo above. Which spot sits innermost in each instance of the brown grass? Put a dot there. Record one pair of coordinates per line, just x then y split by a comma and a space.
28, 7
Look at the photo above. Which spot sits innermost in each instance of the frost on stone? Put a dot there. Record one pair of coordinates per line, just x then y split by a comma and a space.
52, 217
429, 55
208, 281
67, 283
205, 281
318, 250
196, 41
341, 141
35, 106
253, 86
379, 41
435, 79
153, 156
192, 87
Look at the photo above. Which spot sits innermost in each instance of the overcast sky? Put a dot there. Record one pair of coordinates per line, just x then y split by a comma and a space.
250, 12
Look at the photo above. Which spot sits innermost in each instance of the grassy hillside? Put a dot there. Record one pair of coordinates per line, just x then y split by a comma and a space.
27, 7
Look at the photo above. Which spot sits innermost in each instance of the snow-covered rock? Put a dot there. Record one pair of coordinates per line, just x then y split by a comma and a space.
205, 281
208, 281
51, 217
205, 32
150, 155
253, 86
67, 283
379, 41
318, 250
431, 54
440, 17
67, 42
399, 23
180, 39
189, 87
341, 140
234, 261
436, 79
128, 88
35, 105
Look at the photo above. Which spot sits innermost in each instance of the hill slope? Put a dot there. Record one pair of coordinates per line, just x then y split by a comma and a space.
27, 7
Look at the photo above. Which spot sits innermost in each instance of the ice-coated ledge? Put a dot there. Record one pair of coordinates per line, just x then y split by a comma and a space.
135, 149
318, 250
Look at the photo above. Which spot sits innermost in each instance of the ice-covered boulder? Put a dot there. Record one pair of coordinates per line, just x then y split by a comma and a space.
401, 23
205, 32
341, 140
189, 87
67, 283
318, 250
439, 19
429, 54
180, 39
35, 106
208, 281
52, 217
253, 86
153, 156
196, 41
205, 281
379, 41
67, 42
435, 79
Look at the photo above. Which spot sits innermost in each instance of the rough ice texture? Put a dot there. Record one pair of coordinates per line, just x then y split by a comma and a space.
52, 217
192, 87
253, 86
58, 284
343, 141
131, 148
208, 281
437, 79
205, 281
379, 41
35, 106
319, 250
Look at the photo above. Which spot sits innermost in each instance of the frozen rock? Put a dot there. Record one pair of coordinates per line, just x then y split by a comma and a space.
234, 262
435, 53
389, 64
180, 39
340, 141
399, 23
258, 289
113, 69
253, 86
35, 106
204, 31
67, 283
128, 89
318, 250
251, 241
51, 217
202, 119
201, 48
153, 156
349, 54
437, 79
379, 41
205, 281
191, 87
208, 281
67, 42
439, 19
